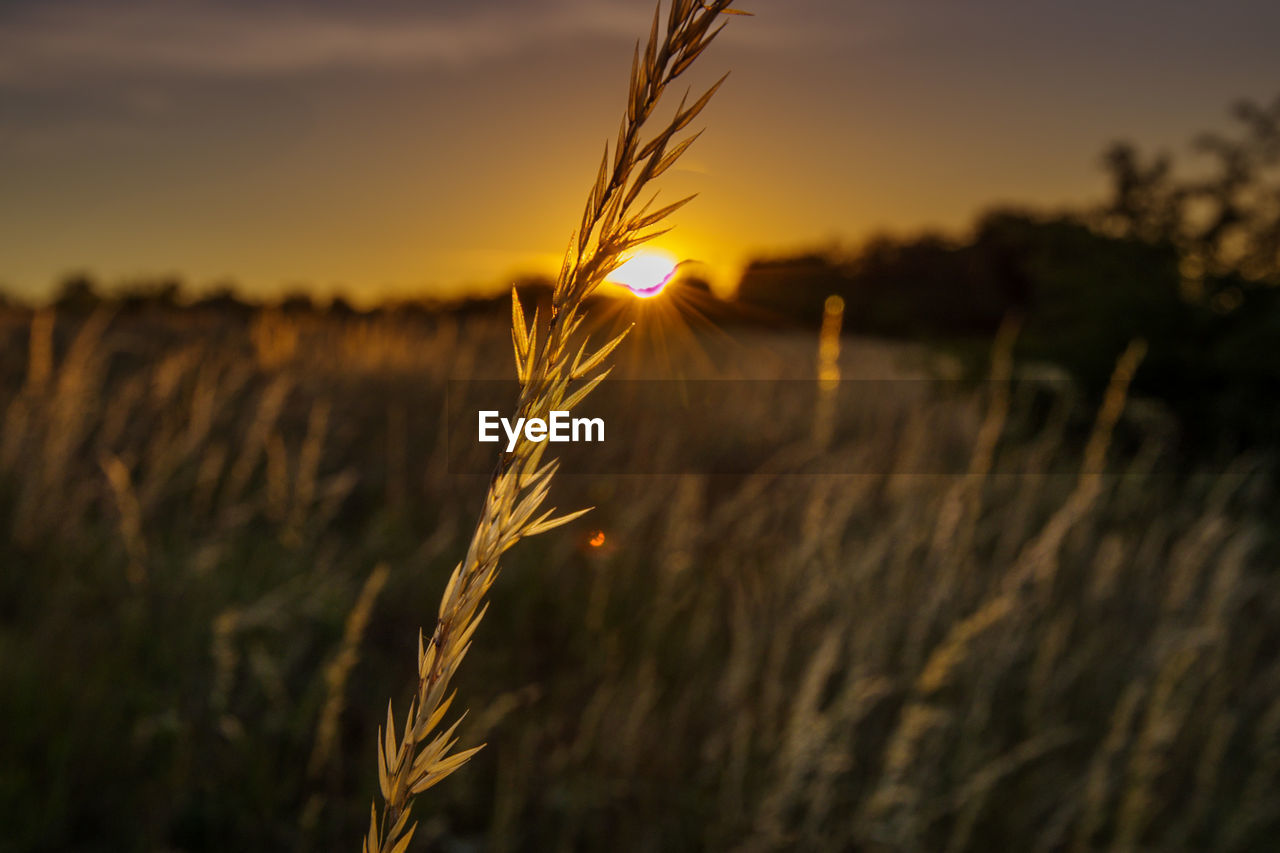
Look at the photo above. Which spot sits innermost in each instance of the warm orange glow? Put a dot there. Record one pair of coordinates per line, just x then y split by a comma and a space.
597, 539
646, 273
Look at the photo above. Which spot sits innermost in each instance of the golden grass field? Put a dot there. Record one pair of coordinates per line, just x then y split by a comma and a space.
903, 610
221, 538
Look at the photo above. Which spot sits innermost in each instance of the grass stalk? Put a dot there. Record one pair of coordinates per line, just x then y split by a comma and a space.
556, 370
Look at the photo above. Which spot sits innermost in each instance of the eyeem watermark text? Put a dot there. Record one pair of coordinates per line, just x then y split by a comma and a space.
557, 429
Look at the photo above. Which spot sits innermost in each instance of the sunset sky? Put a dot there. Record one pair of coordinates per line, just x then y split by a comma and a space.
425, 147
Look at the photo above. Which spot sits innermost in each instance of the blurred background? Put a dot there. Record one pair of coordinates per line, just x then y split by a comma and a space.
997, 571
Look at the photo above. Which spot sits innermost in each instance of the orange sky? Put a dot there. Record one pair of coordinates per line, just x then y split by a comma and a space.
393, 147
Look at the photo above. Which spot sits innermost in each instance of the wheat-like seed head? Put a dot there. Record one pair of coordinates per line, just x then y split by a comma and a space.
550, 379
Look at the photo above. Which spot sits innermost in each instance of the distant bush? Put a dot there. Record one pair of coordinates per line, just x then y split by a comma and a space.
1083, 295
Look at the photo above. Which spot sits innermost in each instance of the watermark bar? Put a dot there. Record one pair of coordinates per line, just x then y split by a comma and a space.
890, 426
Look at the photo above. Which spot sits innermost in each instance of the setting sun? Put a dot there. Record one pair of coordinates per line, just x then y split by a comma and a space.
646, 273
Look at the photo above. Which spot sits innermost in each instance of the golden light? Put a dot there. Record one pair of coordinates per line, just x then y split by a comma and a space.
646, 273
597, 539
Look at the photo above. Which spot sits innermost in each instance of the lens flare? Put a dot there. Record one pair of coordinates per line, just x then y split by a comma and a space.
646, 273
597, 539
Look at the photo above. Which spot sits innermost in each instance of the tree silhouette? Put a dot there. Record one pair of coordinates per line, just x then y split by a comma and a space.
1225, 225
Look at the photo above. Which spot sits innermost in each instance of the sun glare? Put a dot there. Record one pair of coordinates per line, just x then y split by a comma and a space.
646, 273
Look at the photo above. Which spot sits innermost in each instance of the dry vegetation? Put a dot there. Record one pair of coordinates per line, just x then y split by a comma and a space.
197, 626
552, 377
221, 538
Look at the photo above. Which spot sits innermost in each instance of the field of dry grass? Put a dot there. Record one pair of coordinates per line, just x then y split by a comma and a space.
220, 539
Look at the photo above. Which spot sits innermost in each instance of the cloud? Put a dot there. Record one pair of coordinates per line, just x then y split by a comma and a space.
57, 42
51, 43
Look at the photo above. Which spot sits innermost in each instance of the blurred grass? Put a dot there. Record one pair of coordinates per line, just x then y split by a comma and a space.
191, 507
